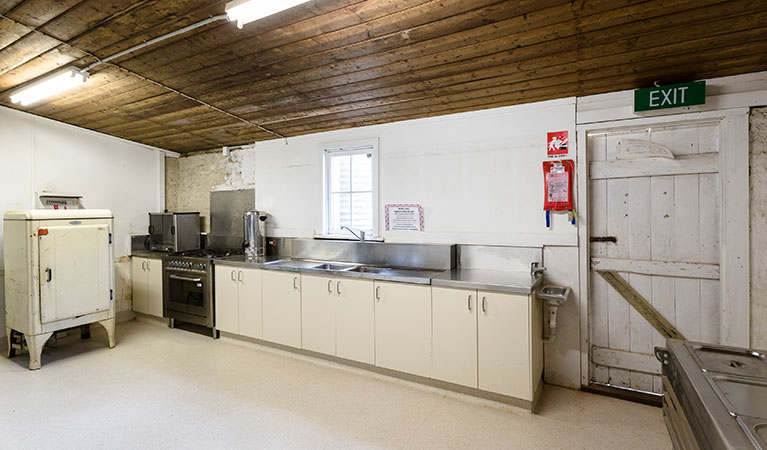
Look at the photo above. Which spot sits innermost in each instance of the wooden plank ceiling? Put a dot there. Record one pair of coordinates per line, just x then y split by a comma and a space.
331, 64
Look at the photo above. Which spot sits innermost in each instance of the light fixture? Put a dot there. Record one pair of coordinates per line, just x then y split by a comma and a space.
50, 85
246, 11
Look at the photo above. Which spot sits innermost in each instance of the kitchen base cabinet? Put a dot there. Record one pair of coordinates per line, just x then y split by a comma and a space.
250, 303
355, 320
454, 322
281, 307
337, 317
227, 299
403, 327
510, 350
318, 314
147, 286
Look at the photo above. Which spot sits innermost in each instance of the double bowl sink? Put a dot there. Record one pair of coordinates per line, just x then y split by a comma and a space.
422, 276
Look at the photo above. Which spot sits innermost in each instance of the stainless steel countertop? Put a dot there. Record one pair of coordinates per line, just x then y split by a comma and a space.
148, 254
401, 275
488, 280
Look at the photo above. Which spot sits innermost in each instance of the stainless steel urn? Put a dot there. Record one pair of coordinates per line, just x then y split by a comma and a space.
254, 226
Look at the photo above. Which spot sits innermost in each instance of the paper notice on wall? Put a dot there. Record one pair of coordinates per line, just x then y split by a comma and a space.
558, 187
401, 217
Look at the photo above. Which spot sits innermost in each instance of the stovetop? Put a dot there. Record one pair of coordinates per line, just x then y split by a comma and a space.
207, 253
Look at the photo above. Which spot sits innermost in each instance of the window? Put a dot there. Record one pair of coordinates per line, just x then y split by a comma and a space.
351, 187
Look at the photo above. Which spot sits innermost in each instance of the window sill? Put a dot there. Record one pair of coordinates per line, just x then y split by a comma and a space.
345, 237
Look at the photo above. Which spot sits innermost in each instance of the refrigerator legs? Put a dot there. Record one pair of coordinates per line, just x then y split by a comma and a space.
35, 344
109, 325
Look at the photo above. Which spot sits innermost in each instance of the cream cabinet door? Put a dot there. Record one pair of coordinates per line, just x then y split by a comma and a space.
403, 327
504, 344
226, 302
355, 320
454, 322
318, 307
282, 307
154, 287
139, 284
250, 312
75, 271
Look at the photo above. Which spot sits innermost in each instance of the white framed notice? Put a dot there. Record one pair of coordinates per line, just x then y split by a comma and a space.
403, 217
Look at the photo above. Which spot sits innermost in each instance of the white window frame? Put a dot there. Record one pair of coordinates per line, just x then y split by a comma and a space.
349, 148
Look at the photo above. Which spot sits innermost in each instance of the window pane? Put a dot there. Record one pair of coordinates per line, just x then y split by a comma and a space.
362, 172
340, 173
362, 211
340, 211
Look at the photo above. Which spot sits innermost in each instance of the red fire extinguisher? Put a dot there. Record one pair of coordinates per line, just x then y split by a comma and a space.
558, 188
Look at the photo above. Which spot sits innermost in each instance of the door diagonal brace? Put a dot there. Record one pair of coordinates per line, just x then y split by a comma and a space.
639, 303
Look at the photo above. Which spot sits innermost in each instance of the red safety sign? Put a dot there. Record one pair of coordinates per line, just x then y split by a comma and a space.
556, 143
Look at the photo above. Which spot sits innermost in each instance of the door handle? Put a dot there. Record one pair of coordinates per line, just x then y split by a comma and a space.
239, 276
469, 302
330, 286
48, 274
233, 277
484, 304
193, 280
378, 296
295, 283
338, 287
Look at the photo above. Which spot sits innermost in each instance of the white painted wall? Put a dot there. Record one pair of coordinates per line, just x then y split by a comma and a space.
38, 154
478, 176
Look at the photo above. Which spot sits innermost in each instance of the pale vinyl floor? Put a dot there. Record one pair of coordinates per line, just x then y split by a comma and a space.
167, 389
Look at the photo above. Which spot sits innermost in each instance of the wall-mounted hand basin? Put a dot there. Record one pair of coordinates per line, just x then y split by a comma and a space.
556, 294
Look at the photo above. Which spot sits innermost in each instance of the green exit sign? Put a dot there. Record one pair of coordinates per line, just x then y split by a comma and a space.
671, 96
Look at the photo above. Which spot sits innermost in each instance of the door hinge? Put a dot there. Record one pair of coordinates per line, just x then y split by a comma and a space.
111, 295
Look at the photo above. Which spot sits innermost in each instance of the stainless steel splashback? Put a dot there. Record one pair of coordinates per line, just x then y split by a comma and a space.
491, 257
425, 256
226, 210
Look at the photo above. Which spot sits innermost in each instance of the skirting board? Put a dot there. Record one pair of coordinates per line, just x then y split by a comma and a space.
465, 390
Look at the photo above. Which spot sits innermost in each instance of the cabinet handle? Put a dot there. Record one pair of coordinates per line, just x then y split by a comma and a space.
148, 266
239, 276
49, 276
470, 303
295, 282
143, 266
338, 287
378, 296
233, 277
330, 286
484, 304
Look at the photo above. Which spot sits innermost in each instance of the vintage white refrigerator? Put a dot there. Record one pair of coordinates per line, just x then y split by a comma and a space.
59, 274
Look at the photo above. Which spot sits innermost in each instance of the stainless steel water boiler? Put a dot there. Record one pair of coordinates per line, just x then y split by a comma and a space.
254, 226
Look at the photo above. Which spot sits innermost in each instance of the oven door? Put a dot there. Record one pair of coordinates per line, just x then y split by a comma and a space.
186, 292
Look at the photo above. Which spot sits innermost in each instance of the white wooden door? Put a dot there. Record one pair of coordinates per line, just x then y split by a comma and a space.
75, 271
139, 284
250, 305
403, 327
664, 214
227, 299
154, 287
454, 331
503, 335
355, 320
318, 314
281, 307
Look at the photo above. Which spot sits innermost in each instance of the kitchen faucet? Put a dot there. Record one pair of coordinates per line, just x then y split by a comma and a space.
360, 236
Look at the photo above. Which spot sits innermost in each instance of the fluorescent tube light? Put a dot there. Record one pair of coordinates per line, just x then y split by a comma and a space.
246, 11
50, 85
